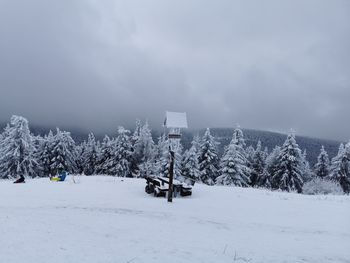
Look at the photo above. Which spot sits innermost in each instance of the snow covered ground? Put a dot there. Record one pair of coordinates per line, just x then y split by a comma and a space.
107, 219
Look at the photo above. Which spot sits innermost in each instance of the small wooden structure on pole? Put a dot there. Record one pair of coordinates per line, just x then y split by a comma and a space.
174, 121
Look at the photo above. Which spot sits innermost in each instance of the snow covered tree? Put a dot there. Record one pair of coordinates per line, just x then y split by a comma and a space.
136, 158
306, 173
190, 164
63, 152
123, 153
340, 168
259, 176
266, 152
135, 136
178, 161
145, 151
37, 140
4, 135
233, 165
107, 160
272, 161
288, 173
17, 150
336, 162
90, 156
322, 165
250, 151
162, 144
240, 142
208, 159
196, 142
238, 134
163, 163
162, 157
45, 155
79, 160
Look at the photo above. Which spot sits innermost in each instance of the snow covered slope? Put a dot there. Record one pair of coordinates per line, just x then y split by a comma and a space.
107, 219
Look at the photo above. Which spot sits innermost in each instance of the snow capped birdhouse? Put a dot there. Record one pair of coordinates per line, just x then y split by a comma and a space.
175, 120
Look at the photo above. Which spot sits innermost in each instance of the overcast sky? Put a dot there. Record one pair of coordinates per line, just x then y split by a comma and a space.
271, 65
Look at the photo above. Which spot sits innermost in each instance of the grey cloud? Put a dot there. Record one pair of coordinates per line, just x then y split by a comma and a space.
264, 64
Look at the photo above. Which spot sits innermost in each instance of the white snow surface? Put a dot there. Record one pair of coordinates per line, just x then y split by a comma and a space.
110, 219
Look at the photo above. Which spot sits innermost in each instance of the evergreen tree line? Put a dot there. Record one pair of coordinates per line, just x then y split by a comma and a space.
136, 155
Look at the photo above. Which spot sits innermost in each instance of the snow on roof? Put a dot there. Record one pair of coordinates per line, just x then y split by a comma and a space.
175, 120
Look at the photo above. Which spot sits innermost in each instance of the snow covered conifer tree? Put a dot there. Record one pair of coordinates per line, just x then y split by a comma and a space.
63, 151
340, 168
259, 176
272, 161
335, 165
4, 135
158, 155
162, 157
146, 151
288, 172
123, 153
250, 151
37, 140
208, 159
90, 156
165, 158
240, 142
190, 165
137, 132
18, 150
178, 161
45, 154
322, 165
79, 160
1, 141
196, 142
160, 147
238, 134
136, 158
266, 152
107, 160
233, 165
306, 172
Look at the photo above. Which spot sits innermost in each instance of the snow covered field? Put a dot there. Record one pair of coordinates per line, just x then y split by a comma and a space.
108, 219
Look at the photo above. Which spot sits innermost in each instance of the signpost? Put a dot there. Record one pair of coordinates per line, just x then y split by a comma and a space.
174, 121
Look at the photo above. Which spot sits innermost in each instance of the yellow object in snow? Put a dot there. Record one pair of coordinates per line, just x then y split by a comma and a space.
55, 179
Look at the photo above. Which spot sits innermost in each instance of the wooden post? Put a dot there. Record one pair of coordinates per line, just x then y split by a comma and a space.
171, 176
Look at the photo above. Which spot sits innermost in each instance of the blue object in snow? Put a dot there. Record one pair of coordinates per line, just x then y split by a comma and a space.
62, 176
